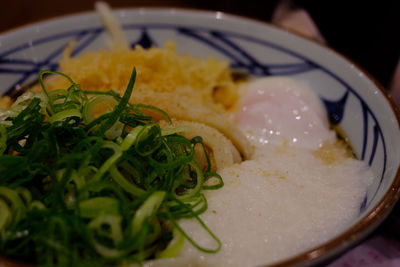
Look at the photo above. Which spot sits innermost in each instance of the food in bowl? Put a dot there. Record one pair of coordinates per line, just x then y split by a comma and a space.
336, 152
300, 183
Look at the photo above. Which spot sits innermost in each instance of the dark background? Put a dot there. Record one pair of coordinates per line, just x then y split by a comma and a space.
365, 31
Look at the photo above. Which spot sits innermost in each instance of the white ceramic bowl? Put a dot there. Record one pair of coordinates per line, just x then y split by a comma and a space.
354, 101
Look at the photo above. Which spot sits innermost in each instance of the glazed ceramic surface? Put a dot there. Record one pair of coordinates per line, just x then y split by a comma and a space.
354, 102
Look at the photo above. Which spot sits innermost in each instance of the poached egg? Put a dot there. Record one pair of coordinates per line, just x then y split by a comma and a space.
279, 110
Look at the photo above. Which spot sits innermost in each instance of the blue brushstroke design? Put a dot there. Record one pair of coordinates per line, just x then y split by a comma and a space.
17, 61
144, 41
374, 144
251, 64
46, 63
365, 130
335, 109
235, 61
363, 204
76, 35
13, 71
92, 37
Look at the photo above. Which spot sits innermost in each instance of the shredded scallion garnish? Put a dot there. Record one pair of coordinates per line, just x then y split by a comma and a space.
78, 187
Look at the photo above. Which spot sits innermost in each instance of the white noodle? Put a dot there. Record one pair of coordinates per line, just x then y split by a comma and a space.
112, 25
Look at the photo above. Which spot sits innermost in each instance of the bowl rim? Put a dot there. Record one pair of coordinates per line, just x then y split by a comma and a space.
337, 244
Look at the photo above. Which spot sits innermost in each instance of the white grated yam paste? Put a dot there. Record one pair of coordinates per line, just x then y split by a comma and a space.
280, 204
285, 201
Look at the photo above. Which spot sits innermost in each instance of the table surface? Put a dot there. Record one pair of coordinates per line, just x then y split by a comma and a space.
21, 12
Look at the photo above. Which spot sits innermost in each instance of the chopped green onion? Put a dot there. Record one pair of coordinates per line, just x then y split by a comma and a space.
113, 222
3, 139
118, 108
62, 115
174, 247
147, 210
96, 206
126, 185
88, 108
110, 190
174, 130
6, 215
15, 203
109, 162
